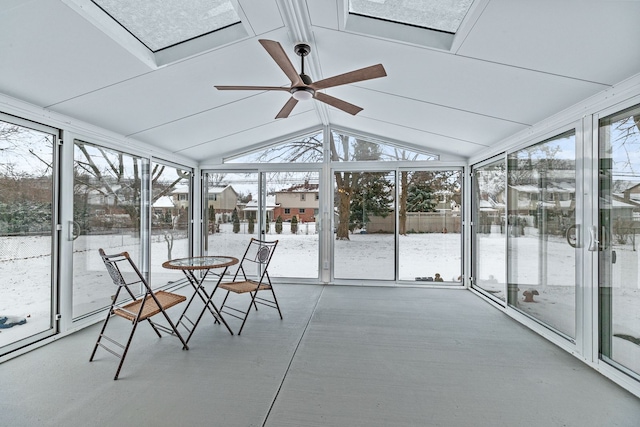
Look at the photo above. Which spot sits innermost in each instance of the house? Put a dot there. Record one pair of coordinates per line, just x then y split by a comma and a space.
224, 200
301, 201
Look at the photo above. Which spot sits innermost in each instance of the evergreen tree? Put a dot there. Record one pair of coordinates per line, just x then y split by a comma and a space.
372, 196
294, 225
421, 198
279, 225
212, 219
251, 226
236, 221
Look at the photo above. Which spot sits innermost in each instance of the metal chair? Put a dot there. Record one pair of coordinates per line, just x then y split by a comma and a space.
132, 308
251, 277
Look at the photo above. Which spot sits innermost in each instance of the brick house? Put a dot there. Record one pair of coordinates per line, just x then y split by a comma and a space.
301, 200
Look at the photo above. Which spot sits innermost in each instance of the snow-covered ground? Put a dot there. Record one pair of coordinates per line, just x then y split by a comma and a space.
25, 269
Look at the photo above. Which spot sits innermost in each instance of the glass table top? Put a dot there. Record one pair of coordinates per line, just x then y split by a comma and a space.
200, 263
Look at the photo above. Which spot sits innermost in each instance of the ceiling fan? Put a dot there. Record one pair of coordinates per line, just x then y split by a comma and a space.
302, 87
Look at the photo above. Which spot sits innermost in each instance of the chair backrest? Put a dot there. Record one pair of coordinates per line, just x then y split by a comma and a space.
123, 271
256, 258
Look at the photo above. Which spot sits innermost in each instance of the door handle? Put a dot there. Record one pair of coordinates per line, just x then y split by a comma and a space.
593, 239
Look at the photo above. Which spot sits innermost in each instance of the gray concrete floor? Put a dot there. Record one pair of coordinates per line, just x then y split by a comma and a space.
342, 356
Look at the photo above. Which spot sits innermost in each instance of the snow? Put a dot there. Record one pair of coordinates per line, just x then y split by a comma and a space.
25, 268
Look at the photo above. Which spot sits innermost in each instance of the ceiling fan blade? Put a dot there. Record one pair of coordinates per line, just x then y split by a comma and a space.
288, 107
338, 103
367, 73
252, 88
278, 54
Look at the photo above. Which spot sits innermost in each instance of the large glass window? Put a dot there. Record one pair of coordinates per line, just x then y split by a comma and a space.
615, 239
430, 225
350, 148
293, 223
540, 215
170, 219
365, 225
490, 228
107, 211
234, 211
230, 209
27, 289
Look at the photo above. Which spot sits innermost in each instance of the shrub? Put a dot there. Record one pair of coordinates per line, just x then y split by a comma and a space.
236, 221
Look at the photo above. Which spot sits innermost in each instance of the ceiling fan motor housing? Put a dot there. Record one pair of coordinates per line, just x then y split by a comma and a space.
302, 49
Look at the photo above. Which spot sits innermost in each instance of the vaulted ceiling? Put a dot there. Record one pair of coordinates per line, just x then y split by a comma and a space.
510, 65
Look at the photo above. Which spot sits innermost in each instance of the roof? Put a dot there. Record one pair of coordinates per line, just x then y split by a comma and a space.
252, 205
164, 202
496, 77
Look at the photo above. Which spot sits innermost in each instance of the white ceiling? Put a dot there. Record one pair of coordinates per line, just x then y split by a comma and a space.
512, 64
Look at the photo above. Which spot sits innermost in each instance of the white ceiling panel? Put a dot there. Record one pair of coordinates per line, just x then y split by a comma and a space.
431, 143
590, 40
324, 13
49, 54
208, 127
452, 81
263, 15
457, 124
176, 91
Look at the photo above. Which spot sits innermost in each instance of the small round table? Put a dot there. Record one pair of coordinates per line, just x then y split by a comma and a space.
204, 264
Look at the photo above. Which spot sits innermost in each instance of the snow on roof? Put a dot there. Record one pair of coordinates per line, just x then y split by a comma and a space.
219, 189
301, 188
252, 205
180, 189
163, 202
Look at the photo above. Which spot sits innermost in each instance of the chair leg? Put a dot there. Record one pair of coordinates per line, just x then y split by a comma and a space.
224, 301
126, 349
174, 327
276, 301
252, 303
104, 327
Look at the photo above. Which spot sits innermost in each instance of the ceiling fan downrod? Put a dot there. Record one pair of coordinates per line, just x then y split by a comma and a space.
302, 50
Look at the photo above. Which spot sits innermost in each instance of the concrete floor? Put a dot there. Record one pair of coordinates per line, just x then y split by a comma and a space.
342, 356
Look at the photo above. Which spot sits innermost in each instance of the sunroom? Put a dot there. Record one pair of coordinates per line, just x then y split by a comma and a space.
480, 147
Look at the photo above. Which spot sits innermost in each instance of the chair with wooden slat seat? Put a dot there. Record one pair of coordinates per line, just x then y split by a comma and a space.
251, 277
134, 308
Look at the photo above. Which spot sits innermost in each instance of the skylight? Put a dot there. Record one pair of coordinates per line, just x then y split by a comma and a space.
162, 24
440, 15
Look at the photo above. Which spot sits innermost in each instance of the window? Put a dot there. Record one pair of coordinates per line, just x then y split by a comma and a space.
301, 210
303, 149
159, 25
302, 197
541, 262
616, 244
441, 15
350, 148
287, 211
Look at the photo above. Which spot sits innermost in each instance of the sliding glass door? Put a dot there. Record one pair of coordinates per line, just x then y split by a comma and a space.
28, 249
107, 209
281, 206
430, 226
541, 218
365, 228
616, 240
489, 247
